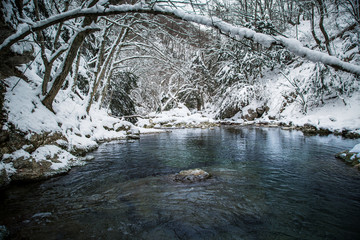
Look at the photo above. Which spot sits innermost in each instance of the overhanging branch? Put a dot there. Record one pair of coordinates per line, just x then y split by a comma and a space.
292, 45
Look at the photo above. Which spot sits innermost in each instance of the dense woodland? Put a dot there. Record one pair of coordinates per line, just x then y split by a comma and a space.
137, 62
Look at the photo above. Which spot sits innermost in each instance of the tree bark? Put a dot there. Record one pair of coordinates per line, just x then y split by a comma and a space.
76, 73
66, 66
317, 40
48, 63
322, 28
104, 68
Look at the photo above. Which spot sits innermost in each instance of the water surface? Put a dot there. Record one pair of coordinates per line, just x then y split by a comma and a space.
266, 184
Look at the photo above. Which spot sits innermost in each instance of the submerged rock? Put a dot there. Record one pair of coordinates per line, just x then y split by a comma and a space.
309, 129
191, 175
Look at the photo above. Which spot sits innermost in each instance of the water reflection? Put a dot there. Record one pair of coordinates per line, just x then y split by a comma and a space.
266, 184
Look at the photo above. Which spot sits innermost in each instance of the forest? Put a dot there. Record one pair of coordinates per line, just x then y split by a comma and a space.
76, 73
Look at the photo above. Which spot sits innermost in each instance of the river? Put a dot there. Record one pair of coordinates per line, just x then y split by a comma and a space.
266, 183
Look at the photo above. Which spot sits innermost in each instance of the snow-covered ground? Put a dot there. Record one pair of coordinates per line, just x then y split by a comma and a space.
176, 117
282, 88
335, 114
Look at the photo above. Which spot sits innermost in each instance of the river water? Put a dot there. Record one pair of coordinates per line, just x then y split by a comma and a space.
266, 184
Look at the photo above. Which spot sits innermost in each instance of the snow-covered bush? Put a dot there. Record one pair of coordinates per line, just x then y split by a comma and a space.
234, 99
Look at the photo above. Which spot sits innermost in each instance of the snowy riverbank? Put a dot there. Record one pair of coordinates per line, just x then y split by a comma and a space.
40, 144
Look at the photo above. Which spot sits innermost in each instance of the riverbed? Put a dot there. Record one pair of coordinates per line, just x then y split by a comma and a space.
266, 183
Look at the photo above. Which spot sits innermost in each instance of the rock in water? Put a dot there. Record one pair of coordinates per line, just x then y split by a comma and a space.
191, 175
349, 157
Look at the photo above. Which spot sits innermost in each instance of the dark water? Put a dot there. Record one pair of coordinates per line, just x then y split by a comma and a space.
266, 184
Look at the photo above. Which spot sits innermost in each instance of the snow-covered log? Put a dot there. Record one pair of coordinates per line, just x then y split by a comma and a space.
292, 45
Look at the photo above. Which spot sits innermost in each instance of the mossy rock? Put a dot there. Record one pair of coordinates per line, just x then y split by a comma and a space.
191, 175
350, 158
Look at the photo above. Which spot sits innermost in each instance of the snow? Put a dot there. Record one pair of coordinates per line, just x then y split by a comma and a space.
8, 167
356, 149
333, 116
44, 153
7, 5
25, 110
21, 48
337, 113
179, 116
21, 153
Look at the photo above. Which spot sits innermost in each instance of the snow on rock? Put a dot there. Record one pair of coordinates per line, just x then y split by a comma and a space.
351, 157
59, 158
45, 161
21, 153
6, 171
356, 149
176, 117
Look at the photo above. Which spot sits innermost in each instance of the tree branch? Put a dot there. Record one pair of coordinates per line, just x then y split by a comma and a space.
292, 45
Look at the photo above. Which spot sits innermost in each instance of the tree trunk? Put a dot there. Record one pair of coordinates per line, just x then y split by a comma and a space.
104, 68
76, 74
246, 11
48, 67
105, 89
69, 59
57, 36
317, 40
322, 28
65, 68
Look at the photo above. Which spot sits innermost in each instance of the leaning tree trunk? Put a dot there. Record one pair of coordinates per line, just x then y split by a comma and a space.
111, 69
69, 59
48, 63
66, 66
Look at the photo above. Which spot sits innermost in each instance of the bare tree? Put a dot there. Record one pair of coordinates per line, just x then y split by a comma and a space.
75, 44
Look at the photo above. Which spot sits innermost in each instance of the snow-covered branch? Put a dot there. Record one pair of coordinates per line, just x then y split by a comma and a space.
292, 45
58, 52
136, 57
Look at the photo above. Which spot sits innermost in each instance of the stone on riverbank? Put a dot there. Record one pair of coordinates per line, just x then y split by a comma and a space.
191, 175
351, 157
44, 162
